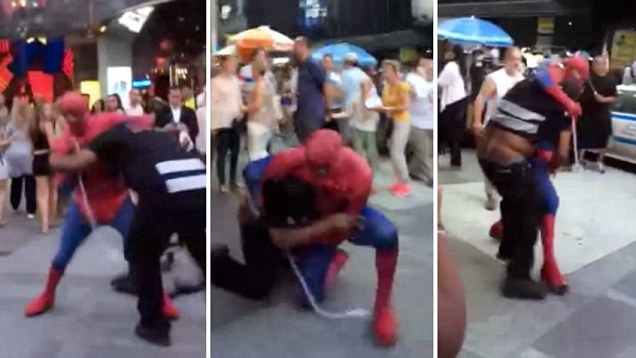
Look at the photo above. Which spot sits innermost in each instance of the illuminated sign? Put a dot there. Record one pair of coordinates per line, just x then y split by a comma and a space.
119, 81
314, 13
141, 83
134, 20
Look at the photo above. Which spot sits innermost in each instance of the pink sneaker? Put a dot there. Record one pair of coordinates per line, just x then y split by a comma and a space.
394, 186
402, 190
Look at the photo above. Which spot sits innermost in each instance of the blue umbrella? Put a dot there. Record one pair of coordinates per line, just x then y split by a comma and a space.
339, 52
470, 30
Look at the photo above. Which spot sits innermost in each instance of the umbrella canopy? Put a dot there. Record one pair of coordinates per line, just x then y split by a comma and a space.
470, 30
261, 37
227, 51
341, 50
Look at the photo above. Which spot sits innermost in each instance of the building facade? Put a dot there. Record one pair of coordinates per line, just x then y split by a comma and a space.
373, 24
557, 23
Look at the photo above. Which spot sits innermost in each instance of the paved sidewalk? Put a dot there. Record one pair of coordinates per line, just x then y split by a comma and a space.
277, 328
89, 320
596, 245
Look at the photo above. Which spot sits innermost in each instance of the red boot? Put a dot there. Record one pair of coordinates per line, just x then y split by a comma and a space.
550, 273
168, 308
46, 299
385, 325
496, 230
338, 261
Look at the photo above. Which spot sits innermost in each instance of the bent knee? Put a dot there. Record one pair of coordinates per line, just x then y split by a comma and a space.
386, 237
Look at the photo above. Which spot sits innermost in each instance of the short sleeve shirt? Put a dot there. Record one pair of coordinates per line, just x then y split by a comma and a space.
395, 95
311, 101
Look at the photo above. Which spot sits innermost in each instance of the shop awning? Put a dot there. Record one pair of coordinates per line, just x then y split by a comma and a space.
391, 40
490, 9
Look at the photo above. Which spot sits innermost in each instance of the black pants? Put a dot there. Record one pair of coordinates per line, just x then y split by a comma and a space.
306, 126
29, 193
452, 125
150, 232
520, 213
227, 140
257, 276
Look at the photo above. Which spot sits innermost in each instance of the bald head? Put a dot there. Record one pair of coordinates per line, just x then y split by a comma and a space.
513, 60
301, 48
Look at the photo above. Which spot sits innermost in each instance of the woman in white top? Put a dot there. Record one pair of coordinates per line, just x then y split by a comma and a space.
420, 142
453, 103
227, 106
4, 167
202, 111
364, 122
19, 155
261, 121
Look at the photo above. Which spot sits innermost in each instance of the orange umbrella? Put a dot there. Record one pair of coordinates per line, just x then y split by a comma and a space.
261, 37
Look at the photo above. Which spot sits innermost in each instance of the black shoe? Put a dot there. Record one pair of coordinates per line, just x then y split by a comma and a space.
524, 289
157, 337
220, 250
503, 255
124, 283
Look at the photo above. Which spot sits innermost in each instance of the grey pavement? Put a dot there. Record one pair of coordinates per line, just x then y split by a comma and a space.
596, 319
277, 328
89, 319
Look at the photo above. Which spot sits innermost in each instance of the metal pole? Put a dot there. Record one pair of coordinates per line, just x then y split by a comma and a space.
214, 25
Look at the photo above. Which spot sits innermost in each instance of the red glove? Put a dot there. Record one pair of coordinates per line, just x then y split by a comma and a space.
574, 109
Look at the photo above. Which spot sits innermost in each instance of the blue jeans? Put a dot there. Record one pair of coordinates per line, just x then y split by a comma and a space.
76, 229
378, 232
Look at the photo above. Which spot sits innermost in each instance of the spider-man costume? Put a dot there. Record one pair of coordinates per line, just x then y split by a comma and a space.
549, 78
343, 187
107, 195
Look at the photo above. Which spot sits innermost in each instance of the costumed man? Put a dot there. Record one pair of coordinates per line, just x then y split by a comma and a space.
170, 183
342, 181
534, 116
310, 199
107, 199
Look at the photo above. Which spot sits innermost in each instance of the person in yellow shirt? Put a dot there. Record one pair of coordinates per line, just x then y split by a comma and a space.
189, 100
396, 100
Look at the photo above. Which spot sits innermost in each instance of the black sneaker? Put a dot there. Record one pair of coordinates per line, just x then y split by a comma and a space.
124, 283
524, 289
157, 337
220, 250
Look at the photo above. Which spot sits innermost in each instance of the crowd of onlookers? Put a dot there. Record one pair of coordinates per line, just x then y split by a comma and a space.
371, 108
29, 127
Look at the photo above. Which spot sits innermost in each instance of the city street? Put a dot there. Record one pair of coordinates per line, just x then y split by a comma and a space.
89, 319
277, 328
595, 246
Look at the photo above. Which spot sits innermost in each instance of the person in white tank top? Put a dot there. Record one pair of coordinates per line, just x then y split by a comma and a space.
261, 118
494, 88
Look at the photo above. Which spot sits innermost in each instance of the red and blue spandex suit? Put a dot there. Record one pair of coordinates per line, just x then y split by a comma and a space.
344, 189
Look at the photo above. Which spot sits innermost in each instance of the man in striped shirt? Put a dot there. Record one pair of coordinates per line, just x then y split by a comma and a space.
171, 185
